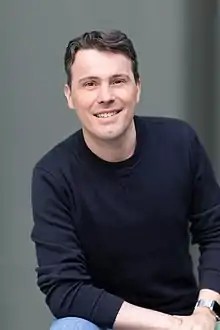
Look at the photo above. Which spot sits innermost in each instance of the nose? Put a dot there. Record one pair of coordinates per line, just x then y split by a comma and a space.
105, 95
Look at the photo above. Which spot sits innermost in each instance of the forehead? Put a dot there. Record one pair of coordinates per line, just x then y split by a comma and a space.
91, 62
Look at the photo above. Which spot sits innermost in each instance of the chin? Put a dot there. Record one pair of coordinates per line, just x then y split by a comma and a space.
112, 135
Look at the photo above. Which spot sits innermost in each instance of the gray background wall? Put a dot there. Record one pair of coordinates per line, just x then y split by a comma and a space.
177, 43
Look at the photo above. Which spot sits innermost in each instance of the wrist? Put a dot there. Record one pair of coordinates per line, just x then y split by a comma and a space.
208, 305
204, 311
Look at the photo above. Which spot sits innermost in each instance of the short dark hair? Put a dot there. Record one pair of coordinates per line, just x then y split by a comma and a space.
113, 41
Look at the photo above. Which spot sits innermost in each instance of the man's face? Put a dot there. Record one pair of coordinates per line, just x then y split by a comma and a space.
103, 93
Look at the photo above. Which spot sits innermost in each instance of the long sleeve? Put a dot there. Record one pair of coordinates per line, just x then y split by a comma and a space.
205, 217
62, 268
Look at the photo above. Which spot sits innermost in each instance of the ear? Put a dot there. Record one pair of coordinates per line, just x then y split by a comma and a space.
138, 83
68, 95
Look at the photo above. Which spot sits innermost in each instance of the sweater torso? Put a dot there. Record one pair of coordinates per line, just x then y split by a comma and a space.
131, 218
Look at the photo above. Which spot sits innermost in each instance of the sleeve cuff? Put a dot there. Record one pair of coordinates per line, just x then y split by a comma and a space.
107, 309
210, 280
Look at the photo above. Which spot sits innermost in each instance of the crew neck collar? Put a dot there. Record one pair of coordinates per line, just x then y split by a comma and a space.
95, 160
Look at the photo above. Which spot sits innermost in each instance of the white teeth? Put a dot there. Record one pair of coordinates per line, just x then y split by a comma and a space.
107, 114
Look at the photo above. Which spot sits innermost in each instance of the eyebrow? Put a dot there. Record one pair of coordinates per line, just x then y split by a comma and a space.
119, 75
88, 78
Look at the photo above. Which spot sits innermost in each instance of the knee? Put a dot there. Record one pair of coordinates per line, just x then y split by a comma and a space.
73, 323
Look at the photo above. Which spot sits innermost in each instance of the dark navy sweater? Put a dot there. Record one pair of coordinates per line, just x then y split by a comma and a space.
112, 232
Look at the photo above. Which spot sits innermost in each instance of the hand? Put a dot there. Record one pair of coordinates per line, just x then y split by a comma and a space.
201, 319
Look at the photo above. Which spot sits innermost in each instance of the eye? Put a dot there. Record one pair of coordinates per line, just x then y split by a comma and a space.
119, 81
90, 84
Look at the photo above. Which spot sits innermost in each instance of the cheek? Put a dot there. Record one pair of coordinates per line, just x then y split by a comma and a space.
85, 101
130, 97
128, 94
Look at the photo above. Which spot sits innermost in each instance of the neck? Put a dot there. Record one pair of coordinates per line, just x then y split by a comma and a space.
116, 150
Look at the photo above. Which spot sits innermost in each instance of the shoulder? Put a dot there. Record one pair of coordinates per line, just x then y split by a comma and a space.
58, 158
168, 128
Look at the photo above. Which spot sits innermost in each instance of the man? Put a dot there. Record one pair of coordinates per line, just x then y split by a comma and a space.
112, 205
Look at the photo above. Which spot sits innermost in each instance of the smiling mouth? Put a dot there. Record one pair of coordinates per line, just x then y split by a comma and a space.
108, 114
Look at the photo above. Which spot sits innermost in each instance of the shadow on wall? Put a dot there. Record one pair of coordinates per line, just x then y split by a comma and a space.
201, 70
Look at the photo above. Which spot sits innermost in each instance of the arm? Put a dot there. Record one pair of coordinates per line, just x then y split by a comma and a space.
131, 317
62, 268
205, 229
205, 218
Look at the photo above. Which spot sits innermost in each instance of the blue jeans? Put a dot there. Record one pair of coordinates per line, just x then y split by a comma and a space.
73, 323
